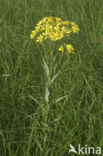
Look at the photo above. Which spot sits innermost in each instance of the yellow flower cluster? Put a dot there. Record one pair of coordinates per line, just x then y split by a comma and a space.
54, 28
68, 47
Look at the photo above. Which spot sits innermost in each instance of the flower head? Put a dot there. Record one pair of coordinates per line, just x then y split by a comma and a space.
54, 29
39, 39
61, 48
70, 48
75, 29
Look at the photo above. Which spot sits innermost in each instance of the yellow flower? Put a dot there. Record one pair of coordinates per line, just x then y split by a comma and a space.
72, 23
53, 37
75, 29
65, 23
56, 36
61, 48
39, 39
69, 31
33, 34
51, 19
64, 29
58, 19
70, 48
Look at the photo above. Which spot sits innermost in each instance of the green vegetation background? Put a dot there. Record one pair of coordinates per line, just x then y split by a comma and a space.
81, 113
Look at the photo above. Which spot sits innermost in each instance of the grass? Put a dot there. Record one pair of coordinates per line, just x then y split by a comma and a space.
80, 114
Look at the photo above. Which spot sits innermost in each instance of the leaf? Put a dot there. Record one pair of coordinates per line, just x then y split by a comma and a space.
55, 76
5, 75
39, 145
37, 102
46, 69
55, 120
47, 95
59, 99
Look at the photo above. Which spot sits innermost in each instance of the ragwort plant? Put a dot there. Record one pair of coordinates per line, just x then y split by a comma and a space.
51, 33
